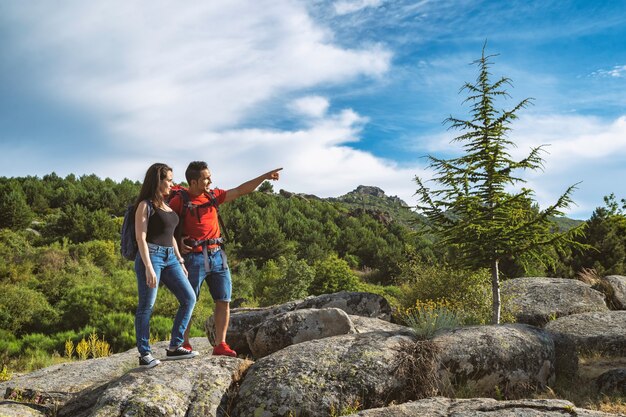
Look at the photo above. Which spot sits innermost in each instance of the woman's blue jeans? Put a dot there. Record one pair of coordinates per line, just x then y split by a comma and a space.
170, 273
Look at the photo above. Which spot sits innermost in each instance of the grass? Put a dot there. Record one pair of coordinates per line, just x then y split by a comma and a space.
425, 318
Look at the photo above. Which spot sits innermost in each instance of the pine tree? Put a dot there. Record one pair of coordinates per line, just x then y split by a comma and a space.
14, 210
471, 208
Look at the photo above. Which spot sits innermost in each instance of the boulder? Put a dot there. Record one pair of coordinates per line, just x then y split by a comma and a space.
309, 378
11, 409
618, 285
241, 321
369, 324
597, 332
538, 300
113, 385
282, 330
355, 303
446, 407
59, 386
612, 381
189, 388
513, 359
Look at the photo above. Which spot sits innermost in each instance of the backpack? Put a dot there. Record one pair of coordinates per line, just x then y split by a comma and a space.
128, 246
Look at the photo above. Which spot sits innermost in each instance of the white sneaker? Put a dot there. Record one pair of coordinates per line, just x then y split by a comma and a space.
147, 361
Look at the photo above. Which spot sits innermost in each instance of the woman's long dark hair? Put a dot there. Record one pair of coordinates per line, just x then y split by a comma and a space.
150, 187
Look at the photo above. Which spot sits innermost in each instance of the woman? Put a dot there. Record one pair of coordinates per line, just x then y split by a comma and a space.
158, 259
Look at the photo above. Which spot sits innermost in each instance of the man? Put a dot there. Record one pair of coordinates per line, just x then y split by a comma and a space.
201, 242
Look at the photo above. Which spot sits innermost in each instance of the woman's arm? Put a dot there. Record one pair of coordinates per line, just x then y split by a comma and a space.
141, 231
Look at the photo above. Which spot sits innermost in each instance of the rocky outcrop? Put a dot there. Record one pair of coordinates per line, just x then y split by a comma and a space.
189, 388
61, 386
243, 320
618, 285
309, 378
369, 324
514, 359
282, 330
10, 409
446, 407
356, 303
538, 300
116, 386
309, 371
612, 381
597, 332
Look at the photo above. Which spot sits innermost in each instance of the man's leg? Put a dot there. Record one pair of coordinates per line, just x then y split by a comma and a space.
222, 317
220, 285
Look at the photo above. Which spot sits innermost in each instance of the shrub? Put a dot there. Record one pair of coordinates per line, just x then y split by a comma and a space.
465, 292
428, 317
23, 310
101, 253
118, 329
161, 327
332, 275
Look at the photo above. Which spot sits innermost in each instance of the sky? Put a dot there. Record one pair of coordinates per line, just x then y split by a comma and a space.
338, 93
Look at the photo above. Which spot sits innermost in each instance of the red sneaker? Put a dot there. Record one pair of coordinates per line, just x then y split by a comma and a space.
187, 345
224, 349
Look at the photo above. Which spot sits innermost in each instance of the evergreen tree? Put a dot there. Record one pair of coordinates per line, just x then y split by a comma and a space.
14, 210
471, 208
606, 238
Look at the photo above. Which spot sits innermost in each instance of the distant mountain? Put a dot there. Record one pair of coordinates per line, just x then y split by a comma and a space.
373, 200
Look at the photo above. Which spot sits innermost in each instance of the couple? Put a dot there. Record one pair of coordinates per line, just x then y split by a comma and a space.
159, 258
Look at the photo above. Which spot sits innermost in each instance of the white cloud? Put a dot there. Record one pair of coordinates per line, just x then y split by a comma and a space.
167, 73
312, 106
315, 159
350, 6
618, 71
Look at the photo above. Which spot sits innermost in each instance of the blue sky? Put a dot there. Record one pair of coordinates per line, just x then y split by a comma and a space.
339, 93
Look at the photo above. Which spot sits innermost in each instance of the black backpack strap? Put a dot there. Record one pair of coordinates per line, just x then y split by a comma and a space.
219, 218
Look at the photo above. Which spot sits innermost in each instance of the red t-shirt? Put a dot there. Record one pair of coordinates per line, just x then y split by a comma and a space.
208, 227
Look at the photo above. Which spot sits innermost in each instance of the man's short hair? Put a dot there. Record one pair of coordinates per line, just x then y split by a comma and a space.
193, 170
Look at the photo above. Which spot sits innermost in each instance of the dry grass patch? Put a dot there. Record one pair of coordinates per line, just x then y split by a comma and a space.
418, 363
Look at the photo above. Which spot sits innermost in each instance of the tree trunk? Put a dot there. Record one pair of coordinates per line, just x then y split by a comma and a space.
495, 289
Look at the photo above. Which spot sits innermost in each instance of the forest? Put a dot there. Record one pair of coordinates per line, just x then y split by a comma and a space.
62, 278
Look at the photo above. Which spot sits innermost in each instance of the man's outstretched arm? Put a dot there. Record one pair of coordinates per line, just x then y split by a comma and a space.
249, 186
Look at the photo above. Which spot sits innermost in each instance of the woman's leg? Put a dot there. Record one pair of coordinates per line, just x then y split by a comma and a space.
176, 281
147, 297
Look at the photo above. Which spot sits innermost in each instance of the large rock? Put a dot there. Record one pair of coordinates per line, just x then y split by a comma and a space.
369, 324
297, 326
115, 385
513, 358
613, 381
475, 407
59, 386
618, 285
538, 300
600, 332
355, 303
10, 409
309, 378
242, 320
187, 388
